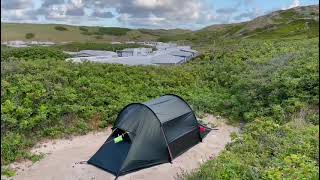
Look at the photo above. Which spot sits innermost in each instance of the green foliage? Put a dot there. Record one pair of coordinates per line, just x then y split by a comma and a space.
99, 37
87, 33
84, 29
44, 96
7, 172
115, 31
298, 28
31, 53
266, 150
60, 28
29, 36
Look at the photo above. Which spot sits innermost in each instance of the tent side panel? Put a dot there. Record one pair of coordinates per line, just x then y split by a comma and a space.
148, 147
179, 126
185, 142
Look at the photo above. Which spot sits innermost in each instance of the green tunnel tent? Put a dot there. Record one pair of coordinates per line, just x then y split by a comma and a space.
157, 132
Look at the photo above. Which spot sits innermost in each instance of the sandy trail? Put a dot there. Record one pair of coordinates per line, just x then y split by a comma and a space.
60, 163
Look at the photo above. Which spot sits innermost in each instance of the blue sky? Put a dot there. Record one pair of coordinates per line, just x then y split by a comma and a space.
167, 14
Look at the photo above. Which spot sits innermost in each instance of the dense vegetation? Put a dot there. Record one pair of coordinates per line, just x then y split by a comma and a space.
270, 84
60, 28
115, 31
267, 150
29, 35
31, 53
81, 28
99, 32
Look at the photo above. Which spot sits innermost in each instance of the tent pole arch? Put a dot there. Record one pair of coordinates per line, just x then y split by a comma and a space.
124, 108
181, 100
189, 108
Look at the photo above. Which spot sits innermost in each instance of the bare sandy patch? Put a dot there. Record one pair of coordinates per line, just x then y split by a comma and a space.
62, 157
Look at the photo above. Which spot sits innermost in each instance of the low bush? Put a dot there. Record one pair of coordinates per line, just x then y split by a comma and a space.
84, 29
87, 33
99, 37
60, 28
31, 53
266, 150
29, 36
275, 81
115, 31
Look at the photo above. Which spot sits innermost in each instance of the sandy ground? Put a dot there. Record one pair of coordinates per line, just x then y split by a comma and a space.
62, 158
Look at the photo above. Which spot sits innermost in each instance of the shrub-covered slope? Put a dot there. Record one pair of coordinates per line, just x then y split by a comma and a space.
245, 80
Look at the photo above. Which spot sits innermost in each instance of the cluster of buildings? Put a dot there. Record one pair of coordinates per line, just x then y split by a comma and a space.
165, 54
19, 44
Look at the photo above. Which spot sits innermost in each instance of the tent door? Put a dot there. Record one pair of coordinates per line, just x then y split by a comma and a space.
184, 142
111, 155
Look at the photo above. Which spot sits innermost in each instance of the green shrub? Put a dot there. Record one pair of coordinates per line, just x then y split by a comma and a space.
32, 53
266, 150
84, 29
87, 33
275, 81
115, 31
99, 37
29, 36
60, 28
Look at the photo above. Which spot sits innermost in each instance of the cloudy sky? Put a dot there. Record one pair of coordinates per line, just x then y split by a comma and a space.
188, 14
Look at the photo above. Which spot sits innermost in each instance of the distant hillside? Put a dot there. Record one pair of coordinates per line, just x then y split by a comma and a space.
59, 33
299, 22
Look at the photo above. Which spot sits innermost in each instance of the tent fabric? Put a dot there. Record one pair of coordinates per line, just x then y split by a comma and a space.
158, 131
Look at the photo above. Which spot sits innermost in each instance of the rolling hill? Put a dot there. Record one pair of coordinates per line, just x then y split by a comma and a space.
295, 23
299, 22
60, 33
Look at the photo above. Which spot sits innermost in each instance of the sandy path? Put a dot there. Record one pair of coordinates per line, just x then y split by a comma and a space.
62, 156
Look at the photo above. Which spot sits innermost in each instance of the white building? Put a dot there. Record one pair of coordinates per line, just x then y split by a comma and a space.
167, 54
92, 53
134, 52
17, 44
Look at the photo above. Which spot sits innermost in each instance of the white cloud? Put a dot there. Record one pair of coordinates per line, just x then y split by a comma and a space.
160, 12
16, 4
18, 10
77, 3
295, 3
149, 3
133, 13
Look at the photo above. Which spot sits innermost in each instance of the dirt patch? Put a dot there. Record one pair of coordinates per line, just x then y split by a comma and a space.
62, 158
